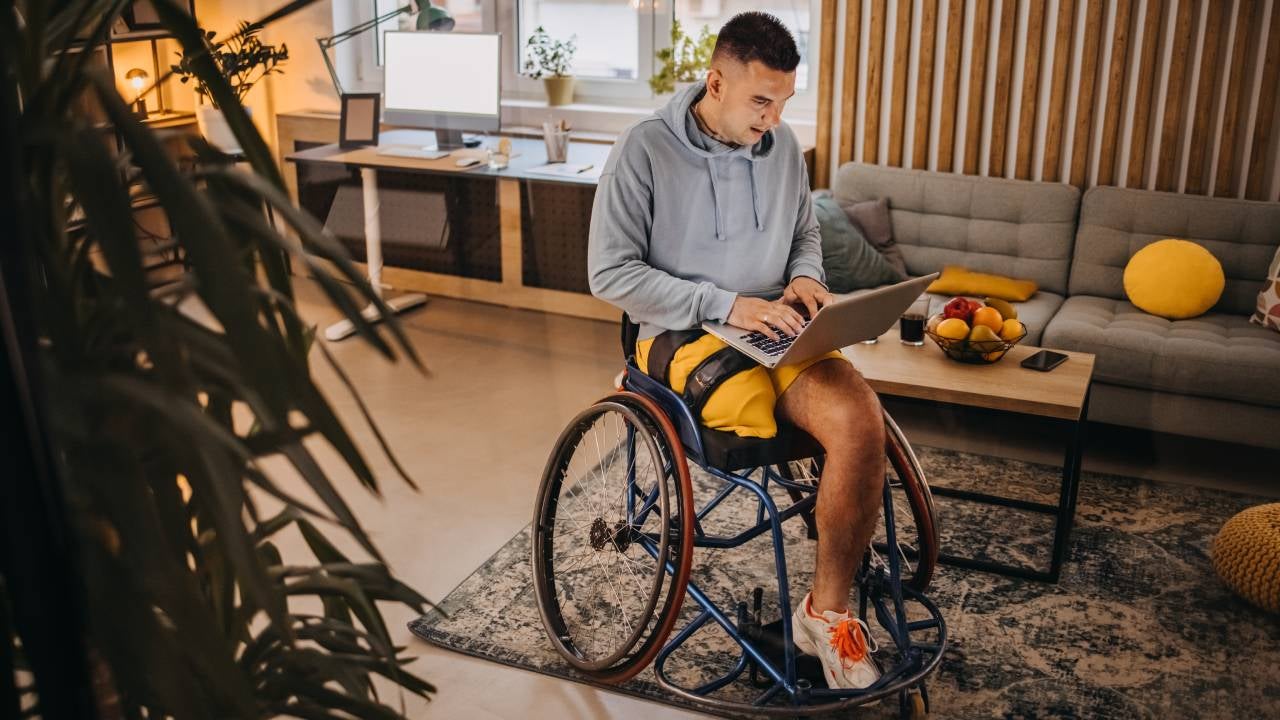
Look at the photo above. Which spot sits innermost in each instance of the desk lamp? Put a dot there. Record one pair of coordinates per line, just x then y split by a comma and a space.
137, 78
429, 17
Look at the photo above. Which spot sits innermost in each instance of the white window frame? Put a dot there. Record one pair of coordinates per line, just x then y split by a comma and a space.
587, 91
600, 104
358, 53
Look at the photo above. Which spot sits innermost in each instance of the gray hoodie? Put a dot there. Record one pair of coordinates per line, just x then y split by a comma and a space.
682, 224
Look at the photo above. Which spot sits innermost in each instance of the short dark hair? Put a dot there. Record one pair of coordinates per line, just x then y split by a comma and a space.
758, 36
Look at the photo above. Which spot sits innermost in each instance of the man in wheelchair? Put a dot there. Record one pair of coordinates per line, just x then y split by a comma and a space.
703, 213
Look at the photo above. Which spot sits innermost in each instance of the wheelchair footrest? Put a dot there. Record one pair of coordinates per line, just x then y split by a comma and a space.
768, 641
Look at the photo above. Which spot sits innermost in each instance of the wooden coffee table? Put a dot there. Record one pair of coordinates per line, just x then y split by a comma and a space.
1060, 396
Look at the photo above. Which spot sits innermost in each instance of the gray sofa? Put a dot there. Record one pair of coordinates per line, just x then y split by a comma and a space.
1215, 376
1009, 227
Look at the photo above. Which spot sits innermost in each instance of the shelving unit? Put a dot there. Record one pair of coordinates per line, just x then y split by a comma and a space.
135, 42
155, 42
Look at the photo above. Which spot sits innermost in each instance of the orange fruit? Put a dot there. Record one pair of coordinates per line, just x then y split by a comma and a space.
1011, 330
989, 317
953, 329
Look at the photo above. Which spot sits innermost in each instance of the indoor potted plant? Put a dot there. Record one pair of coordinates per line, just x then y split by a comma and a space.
154, 583
684, 61
243, 60
550, 59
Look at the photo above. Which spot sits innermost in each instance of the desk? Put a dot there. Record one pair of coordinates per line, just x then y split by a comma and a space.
510, 287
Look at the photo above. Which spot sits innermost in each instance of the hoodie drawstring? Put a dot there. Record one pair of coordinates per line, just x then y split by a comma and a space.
715, 197
755, 196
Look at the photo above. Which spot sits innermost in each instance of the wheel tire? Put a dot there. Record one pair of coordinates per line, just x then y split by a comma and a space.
912, 481
604, 533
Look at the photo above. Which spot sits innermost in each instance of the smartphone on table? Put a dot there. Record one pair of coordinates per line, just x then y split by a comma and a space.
1044, 361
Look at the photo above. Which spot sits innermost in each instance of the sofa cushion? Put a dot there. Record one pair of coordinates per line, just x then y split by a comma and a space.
1115, 223
848, 258
877, 226
956, 280
1010, 227
1216, 355
1267, 311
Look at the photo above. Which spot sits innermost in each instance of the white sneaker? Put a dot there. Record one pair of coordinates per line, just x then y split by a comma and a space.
840, 642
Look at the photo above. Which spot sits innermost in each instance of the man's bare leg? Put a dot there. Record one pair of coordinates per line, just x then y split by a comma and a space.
832, 402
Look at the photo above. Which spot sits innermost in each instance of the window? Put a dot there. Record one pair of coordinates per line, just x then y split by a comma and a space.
694, 14
468, 16
617, 39
613, 53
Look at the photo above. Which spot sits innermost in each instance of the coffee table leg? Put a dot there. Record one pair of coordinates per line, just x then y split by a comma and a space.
1064, 512
1070, 491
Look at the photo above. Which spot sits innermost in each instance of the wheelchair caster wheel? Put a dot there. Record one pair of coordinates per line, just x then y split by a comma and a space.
912, 705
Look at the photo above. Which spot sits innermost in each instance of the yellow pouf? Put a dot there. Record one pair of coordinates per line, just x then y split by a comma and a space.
1246, 555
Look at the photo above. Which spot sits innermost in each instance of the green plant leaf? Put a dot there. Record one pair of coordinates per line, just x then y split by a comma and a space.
189, 596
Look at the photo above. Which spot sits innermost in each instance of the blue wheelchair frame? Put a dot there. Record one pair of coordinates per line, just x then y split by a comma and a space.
885, 591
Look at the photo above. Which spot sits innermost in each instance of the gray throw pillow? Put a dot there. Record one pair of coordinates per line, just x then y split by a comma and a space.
872, 217
849, 259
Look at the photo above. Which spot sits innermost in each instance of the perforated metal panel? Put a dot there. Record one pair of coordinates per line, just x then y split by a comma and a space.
555, 220
466, 241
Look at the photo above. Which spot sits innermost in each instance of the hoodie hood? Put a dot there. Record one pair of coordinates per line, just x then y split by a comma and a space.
678, 117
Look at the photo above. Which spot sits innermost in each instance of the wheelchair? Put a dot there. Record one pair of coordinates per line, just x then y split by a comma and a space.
616, 526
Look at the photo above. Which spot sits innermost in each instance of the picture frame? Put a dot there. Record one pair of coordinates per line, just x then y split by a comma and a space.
141, 15
360, 121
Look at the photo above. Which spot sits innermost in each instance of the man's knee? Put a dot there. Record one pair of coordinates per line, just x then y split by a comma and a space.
856, 421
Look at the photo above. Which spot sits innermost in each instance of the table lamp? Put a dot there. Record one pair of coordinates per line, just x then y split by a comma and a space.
137, 78
430, 17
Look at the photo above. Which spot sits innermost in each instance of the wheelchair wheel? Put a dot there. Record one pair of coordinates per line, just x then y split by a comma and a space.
613, 537
914, 520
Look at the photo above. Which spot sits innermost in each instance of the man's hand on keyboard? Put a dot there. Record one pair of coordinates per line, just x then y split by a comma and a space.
808, 292
765, 317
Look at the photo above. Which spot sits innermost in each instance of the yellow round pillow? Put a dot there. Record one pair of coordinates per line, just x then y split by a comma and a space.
1175, 279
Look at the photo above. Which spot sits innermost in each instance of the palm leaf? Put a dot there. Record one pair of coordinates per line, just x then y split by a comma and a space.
190, 608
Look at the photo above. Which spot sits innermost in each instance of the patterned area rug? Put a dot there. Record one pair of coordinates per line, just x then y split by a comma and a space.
1138, 627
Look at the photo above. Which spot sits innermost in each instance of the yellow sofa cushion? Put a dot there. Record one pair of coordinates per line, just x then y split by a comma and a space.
956, 280
1175, 279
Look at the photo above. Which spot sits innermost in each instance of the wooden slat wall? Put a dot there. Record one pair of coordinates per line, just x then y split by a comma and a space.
1173, 95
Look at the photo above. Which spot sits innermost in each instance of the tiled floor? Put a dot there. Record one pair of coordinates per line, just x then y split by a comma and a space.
475, 432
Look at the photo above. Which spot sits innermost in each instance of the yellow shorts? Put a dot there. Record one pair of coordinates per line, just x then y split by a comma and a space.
744, 403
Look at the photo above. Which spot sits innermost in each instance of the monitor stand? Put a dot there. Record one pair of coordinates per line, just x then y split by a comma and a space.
448, 139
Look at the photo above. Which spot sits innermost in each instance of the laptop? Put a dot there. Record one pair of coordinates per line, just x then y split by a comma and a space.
840, 324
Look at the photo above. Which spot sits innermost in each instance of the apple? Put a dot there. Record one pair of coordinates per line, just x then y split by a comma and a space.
959, 307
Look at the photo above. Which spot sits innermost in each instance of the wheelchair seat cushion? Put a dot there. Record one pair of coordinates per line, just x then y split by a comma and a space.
727, 451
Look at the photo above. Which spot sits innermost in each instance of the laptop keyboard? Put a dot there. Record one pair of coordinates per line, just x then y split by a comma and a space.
772, 348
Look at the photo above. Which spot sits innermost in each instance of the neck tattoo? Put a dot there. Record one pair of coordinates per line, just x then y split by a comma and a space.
706, 127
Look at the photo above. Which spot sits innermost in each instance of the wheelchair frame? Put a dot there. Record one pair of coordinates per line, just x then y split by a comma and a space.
882, 588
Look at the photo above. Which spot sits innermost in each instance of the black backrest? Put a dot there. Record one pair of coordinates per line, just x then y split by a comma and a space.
630, 332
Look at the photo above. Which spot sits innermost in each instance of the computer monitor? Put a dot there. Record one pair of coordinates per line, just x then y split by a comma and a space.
449, 82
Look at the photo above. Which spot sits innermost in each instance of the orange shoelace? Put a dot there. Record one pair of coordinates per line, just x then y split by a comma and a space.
848, 640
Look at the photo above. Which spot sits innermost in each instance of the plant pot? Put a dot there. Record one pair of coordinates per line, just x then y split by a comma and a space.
559, 90
213, 126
